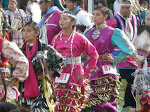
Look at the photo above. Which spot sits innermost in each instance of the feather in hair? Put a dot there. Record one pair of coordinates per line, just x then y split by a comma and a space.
142, 41
36, 12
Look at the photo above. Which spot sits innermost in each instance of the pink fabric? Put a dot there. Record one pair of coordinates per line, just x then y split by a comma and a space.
53, 27
80, 46
31, 86
74, 91
129, 62
112, 22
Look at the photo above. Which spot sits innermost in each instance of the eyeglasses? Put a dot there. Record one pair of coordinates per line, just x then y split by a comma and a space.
41, 2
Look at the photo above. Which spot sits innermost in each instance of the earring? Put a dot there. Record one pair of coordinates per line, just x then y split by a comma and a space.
74, 6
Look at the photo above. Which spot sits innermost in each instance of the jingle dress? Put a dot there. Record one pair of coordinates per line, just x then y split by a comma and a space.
105, 86
36, 91
71, 95
17, 37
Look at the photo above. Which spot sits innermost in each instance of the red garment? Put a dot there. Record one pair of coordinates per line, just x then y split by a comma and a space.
31, 86
145, 102
4, 62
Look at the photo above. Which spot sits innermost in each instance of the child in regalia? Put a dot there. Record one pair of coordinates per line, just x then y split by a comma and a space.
44, 62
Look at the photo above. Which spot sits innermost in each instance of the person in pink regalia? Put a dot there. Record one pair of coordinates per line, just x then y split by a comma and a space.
49, 25
129, 23
71, 87
104, 81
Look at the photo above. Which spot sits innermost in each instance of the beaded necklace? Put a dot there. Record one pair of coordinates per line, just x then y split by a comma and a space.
72, 35
96, 33
67, 39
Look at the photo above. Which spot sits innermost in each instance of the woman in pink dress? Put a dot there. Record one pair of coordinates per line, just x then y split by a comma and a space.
71, 93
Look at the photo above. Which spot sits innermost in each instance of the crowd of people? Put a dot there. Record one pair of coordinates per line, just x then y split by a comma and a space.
72, 61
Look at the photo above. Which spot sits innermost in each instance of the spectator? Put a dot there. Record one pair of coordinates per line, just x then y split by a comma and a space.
144, 6
16, 18
103, 3
129, 23
49, 24
5, 4
81, 15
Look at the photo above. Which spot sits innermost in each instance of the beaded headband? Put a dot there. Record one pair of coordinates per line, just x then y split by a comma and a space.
69, 15
126, 4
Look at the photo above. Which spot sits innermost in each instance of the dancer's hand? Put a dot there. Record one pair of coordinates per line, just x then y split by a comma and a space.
108, 57
51, 72
79, 78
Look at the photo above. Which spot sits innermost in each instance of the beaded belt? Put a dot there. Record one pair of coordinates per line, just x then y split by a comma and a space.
72, 60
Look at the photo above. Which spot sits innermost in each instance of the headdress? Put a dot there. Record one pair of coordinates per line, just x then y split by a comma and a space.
33, 12
70, 15
131, 3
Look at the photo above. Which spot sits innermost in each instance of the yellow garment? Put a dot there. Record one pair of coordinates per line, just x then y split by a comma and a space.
48, 92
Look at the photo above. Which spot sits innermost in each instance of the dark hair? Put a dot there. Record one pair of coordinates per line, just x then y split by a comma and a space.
77, 1
71, 17
104, 10
144, 2
52, 2
95, 3
6, 107
34, 25
126, 1
142, 28
80, 27
103, 3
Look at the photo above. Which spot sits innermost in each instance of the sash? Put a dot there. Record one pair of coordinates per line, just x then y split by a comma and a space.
43, 30
122, 24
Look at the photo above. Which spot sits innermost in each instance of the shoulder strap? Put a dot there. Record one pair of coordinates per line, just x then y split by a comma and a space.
119, 19
49, 17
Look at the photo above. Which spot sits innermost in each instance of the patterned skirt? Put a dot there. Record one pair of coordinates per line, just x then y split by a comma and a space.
36, 104
71, 97
105, 91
